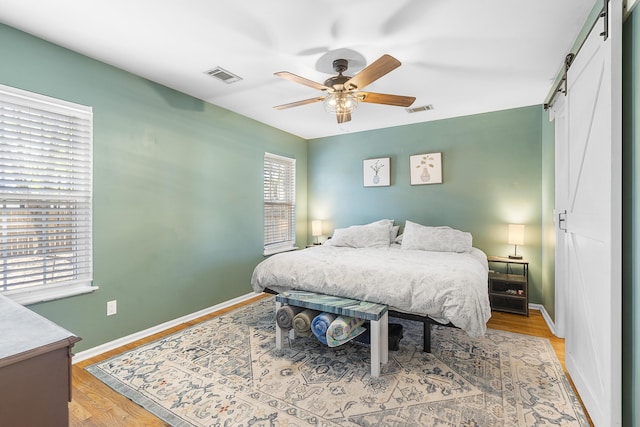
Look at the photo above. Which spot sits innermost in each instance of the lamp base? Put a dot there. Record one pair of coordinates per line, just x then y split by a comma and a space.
515, 256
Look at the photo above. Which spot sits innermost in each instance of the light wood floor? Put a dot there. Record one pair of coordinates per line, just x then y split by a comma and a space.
95, 404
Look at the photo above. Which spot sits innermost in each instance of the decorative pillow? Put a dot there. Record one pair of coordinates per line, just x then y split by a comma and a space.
440, 239
363, 236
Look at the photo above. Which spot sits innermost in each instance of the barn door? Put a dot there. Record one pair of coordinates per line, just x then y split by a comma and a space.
589, 207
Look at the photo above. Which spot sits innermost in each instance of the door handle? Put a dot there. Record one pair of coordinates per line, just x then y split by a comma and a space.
562, 221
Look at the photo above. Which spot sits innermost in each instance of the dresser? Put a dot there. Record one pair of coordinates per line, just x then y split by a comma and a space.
35, 368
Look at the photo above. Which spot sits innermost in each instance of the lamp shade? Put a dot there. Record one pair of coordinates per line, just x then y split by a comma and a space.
340, 102
515, 234
316, 227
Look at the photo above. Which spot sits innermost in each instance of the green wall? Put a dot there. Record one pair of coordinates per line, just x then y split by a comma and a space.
631, 220
177, 202
177, 191
548, 282
491, 176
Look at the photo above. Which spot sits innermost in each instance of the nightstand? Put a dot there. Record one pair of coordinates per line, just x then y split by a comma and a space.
509, 284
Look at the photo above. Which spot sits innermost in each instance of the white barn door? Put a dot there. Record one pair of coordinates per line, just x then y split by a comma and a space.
588, 189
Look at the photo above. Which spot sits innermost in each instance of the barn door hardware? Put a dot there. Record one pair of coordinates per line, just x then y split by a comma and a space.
561, 87
605, 14
562, 221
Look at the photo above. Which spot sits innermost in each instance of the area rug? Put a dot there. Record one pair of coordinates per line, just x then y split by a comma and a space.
227, 372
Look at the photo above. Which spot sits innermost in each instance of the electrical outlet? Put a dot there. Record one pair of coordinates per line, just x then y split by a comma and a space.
112, 307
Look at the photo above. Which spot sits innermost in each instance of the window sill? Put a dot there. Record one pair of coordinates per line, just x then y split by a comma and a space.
274, 251
27, 297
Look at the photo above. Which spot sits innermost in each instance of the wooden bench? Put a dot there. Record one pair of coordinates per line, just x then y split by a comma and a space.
376, 314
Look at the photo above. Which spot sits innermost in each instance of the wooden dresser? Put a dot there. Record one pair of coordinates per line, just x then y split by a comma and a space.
35, 368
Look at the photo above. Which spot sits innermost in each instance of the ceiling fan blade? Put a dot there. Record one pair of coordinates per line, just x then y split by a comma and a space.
299, 103
371, 73
383, 98
343, 117
297, 79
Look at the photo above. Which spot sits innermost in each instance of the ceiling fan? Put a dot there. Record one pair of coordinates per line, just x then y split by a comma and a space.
344, 92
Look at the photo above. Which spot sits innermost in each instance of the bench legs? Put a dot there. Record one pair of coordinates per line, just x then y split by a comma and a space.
379, 343
279, 331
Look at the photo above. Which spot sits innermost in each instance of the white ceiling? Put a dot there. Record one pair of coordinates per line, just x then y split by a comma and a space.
462, 57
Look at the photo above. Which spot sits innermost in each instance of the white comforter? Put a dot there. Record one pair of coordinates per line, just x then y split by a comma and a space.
446, 286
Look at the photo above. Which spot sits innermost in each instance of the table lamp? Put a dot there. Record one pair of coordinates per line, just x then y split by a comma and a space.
515, 236
316, 230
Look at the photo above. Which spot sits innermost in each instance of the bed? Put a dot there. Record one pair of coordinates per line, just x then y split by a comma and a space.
430, 274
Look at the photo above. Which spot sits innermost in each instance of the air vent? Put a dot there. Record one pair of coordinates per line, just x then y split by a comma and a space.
224, 75
417, 109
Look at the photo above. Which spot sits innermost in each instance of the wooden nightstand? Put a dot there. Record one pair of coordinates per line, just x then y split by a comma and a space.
509, 284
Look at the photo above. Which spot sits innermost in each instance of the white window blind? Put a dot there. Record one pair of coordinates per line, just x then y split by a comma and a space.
45, 196
279, 203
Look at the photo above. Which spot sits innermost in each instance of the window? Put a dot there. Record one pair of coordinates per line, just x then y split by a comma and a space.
279, 203
45, 197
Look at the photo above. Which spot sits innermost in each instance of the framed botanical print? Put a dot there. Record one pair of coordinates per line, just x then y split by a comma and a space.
376, 172
426, 168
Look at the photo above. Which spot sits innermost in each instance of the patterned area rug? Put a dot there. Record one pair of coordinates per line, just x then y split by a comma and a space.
226, 372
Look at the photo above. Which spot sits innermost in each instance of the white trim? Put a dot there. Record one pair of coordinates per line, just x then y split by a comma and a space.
29, 112
49, 292
278, 157
51, 102
103, 348
545, 316
277, 250
279, 198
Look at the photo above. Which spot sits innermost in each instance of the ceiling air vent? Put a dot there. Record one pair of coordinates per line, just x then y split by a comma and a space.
224, 75
416, 109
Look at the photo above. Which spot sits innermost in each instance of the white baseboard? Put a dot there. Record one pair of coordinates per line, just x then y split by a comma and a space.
545, 316
103, 348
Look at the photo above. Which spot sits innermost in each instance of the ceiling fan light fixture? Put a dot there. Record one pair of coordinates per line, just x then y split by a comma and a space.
343, 93
340, 102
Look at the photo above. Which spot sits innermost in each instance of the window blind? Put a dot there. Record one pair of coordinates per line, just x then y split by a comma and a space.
45, 192
279, 203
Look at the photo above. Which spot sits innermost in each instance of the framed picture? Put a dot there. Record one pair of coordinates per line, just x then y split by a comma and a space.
426, 168
376, 172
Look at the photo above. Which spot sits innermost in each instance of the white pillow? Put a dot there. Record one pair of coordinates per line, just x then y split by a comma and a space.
363, 236
382, 222
394, 233
440, 239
